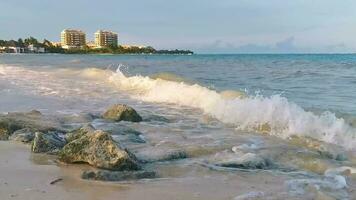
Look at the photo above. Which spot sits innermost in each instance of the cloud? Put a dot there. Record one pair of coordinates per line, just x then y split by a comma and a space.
219, 46
287, 45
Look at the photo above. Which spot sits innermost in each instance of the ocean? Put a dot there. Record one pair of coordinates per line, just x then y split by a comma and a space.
294, 112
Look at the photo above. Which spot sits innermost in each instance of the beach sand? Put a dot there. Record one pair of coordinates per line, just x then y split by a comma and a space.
24, 175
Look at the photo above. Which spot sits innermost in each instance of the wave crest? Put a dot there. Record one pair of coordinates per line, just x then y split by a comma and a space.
274, 115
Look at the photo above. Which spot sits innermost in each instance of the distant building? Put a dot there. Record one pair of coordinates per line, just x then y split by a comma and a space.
72, 39
33, 49
105, 38
56, 44
91, 44
128, 46
16, 50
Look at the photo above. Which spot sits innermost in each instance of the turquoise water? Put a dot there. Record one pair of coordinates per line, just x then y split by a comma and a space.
293, 116
325, 82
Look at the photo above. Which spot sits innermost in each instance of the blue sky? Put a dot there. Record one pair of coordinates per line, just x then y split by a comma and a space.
205, 26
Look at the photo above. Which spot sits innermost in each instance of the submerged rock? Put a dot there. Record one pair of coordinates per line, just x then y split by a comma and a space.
104, 175
33, 120
114, 128
246, 161
325, 150
160, 154
49, 142
121, 112
24, 135
241, 160
129, 139
98, 149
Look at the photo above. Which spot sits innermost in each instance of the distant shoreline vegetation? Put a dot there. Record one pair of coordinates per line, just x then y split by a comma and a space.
32, 45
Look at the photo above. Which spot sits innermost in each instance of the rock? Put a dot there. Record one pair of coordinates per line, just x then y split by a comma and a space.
104, 175
325, 150
100, 150
129, 139
49, 142
79, 132
7, 127
114, 128
24, 135
4, 134
160, 154
33, 120
119, 112
243, 161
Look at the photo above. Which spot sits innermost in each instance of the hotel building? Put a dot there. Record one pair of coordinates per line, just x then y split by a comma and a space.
72, 39
105, 38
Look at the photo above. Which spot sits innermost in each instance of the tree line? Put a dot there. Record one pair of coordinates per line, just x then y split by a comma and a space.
112, 49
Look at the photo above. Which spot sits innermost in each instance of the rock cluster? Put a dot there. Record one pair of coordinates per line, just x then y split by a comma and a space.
87, 144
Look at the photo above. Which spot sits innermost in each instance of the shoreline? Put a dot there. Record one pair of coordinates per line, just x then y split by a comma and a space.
29, 176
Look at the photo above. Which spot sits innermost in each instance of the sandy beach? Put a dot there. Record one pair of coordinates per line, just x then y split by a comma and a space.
25, 175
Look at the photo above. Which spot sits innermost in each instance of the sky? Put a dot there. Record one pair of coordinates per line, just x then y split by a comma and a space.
204, 26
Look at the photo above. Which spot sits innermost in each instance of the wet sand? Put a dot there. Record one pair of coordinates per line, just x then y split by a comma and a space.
24, 175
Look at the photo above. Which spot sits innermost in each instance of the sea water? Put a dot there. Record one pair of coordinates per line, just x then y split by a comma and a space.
221, 110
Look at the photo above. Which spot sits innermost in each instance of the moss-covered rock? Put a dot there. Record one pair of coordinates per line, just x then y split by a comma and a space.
78, 133
4, 134
121, 112
98, 149
49, 142
104, 175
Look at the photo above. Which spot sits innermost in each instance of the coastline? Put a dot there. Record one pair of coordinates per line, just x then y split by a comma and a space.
194, 154
28, 175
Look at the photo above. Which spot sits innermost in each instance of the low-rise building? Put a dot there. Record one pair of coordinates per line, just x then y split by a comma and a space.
105, 38
33, 49
16, 50
91, 44
71, 38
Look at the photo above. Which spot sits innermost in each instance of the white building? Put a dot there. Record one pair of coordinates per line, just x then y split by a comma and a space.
105, 38
71, 38
32, 49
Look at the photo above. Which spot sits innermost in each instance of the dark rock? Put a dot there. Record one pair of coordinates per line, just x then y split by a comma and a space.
100, 150
160, 154
157, 118
33, 120
129, 138
121, 112
244, 161
104, 175
24, 135
114, 128
49, 142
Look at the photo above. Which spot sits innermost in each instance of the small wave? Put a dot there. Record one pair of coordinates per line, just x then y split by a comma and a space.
274, 115
169, 77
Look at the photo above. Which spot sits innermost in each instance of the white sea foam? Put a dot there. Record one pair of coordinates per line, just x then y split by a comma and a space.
274, 114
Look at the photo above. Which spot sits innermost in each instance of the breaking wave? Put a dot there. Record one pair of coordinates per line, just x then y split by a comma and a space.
274, 115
